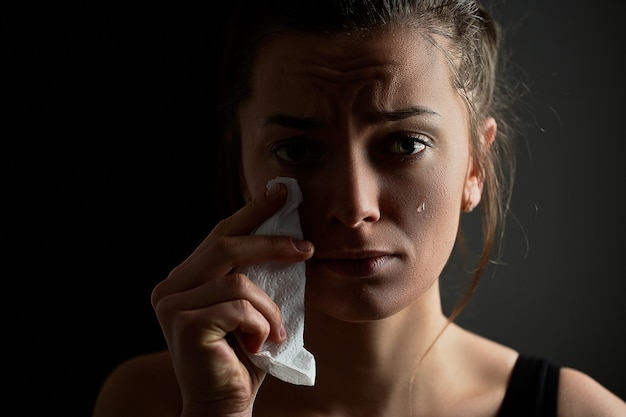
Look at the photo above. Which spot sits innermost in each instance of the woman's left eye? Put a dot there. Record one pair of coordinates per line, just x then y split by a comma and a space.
408, 146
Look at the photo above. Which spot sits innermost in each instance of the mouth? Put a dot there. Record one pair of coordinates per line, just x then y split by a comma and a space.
356, 264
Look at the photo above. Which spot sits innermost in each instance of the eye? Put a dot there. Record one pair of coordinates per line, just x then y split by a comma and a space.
408, 145
296, 151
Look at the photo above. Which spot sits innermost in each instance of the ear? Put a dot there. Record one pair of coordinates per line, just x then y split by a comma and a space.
473, 189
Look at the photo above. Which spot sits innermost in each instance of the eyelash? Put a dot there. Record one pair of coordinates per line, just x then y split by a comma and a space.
418, 141
309, 152
304, 146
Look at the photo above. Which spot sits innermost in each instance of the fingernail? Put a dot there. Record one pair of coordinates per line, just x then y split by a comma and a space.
272, 190
302, 245
283, 332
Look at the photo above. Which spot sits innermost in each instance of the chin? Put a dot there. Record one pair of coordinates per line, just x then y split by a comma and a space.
364, 303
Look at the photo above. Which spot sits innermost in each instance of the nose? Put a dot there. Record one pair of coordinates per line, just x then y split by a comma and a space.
353, 191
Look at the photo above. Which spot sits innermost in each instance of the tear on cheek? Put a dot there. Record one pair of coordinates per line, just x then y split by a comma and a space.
421, 207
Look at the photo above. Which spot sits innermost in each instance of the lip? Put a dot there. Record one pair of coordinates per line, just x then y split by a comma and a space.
356, 264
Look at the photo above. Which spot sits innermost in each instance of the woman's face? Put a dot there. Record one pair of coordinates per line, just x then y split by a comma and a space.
378, 140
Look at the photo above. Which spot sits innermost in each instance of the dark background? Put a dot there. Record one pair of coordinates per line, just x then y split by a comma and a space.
108, 159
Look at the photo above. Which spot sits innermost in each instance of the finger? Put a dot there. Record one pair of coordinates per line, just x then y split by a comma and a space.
224, 255
207, 361
215, 255
232, 287
207, 328
228, 252
250, 216
241, 223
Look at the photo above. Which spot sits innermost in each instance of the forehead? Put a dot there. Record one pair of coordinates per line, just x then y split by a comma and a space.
370, 71
344, 51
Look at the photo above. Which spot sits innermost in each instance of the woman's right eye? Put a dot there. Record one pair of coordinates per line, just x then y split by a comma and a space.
295, 152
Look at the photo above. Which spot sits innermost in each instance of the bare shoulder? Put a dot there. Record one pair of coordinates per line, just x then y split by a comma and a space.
487, 357
483, 369
141, 386
581, 395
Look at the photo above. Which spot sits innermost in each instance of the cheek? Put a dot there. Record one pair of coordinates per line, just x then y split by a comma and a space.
253, 186
430, 214
254, 177
433, 194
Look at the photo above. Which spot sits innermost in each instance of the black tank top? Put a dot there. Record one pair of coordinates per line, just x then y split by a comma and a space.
532, 390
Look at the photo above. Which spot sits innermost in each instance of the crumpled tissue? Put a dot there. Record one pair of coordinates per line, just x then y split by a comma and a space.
285, 284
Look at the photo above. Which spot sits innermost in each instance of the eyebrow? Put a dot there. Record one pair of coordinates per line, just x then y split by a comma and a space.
300, 123
391, 116
306, 123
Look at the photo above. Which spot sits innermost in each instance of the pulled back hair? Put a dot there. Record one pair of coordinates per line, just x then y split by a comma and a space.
472, 45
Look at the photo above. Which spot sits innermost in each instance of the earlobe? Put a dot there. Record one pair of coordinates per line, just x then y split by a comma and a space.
473, 190
468, 207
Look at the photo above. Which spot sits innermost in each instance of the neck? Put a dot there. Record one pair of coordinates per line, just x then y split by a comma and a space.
391, 347
375, 365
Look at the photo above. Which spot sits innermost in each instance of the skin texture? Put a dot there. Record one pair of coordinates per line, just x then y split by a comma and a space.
397, 213
384, 186
360, 193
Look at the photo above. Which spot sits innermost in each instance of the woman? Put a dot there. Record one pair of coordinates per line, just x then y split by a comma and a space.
389, 116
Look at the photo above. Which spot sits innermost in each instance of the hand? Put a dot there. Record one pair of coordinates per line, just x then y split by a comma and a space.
208, 312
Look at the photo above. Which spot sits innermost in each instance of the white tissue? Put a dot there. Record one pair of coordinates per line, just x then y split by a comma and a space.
285, 283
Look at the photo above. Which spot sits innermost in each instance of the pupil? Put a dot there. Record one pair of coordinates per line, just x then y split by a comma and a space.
407, 146
297, 151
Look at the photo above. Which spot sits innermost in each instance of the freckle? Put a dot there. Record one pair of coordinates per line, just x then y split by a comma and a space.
421, 207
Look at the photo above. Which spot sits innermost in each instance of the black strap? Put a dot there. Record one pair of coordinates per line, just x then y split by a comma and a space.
532, 390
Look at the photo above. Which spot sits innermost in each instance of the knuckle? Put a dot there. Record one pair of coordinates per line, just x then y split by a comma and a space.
163, 306
155, 296
160, 293
166, 313
276, 310
279, 243
242, 305
225, 245
238, 283
186, 324
222, 226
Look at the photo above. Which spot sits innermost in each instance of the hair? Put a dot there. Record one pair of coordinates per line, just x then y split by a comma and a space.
473, 46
